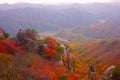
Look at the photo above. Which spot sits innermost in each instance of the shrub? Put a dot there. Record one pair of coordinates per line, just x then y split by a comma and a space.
116, 73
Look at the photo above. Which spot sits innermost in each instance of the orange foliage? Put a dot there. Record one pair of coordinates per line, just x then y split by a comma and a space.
75, 77
5, 65
45, 74
35, 63
52, 44
50, 52
69, 78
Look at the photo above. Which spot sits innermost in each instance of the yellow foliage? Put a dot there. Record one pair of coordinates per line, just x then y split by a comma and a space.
5, 69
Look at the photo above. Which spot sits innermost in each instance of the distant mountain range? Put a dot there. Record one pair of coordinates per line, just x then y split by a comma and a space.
108, 29
94, 17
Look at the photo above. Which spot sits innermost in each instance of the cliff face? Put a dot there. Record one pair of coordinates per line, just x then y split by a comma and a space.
1, 34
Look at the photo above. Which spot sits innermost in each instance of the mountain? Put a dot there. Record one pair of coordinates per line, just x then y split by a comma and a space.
46, 58
90, 32
108, 29
105, 51
101, 54
55, 17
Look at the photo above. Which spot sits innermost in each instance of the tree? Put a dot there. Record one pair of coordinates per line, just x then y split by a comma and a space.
6, 35
5, 66
50, 52
52, 44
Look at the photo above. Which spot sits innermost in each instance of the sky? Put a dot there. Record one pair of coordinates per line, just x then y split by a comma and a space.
54, 1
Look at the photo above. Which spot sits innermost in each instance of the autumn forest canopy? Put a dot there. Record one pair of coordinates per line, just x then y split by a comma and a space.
60, 42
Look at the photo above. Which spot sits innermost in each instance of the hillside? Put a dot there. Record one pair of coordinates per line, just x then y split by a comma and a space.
106, 52
102, 54
109, 29
33, 58
55, 17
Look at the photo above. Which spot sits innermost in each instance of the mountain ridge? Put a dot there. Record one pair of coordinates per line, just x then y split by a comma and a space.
55, 17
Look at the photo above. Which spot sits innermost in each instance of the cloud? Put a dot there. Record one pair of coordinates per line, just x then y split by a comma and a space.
53, 1
115, 0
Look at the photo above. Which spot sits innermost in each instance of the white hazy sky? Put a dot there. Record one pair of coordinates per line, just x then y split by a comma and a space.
54, 1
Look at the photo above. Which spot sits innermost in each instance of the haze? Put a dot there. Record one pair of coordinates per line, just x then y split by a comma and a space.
53, 1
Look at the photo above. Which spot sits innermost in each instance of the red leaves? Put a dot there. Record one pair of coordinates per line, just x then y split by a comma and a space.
5, 46
3, 43
2, 49
75, 77
52, 44
45, 74
51, 48
50, 52
31, 35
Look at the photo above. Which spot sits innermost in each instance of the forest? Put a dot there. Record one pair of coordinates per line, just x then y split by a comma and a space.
27, 56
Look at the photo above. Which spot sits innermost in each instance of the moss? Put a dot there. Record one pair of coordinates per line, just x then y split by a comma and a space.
62, 77
117, 70
60, 49
116, 73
